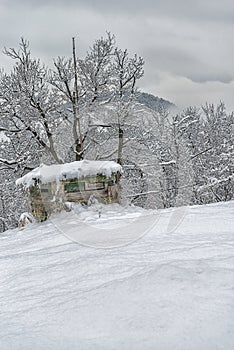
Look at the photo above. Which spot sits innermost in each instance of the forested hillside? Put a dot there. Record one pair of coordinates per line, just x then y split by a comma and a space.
154, 102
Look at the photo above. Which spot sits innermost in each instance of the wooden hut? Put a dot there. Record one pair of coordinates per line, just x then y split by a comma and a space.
50, 187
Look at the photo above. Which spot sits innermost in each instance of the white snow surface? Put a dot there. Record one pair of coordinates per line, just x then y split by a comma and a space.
172, 289
4, 137
78, 169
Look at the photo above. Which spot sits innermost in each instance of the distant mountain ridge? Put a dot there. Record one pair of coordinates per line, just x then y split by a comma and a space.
153, 102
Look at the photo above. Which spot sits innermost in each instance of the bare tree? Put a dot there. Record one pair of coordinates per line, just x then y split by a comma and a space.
127, 72
28, 106
82, 83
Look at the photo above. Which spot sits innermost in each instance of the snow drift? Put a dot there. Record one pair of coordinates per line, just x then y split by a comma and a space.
170, 290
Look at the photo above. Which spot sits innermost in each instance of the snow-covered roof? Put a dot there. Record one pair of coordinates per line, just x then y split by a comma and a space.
78, 169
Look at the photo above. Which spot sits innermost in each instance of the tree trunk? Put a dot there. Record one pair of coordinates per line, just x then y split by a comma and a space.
120, 147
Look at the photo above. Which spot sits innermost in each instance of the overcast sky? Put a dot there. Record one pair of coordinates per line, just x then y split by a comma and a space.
188, 46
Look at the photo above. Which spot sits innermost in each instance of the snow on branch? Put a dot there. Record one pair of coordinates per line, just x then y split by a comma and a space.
168, 163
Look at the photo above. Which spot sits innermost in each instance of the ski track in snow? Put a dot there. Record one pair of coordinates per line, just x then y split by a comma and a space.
173, 289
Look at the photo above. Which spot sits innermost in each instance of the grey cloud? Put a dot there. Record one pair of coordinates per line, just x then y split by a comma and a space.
181, 63
199, 9
184, 39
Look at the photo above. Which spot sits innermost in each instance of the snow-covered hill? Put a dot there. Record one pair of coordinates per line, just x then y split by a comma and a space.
154, 102
170, 289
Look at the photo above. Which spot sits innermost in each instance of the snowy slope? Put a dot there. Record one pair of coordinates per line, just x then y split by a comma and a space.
171, 289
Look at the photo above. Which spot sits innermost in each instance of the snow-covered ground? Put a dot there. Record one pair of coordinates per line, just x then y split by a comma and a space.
170, 289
